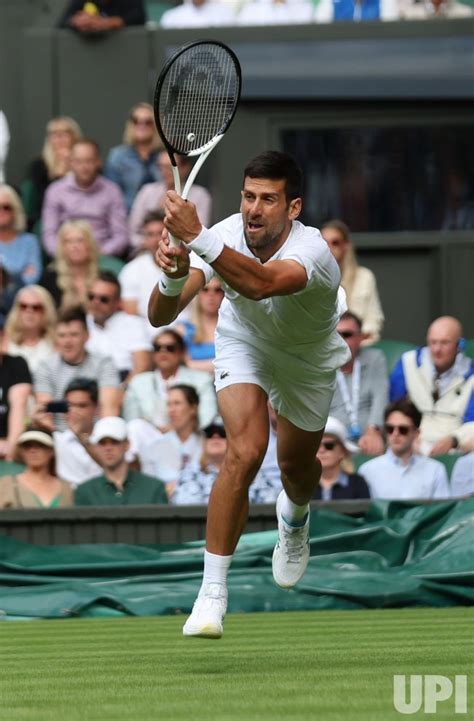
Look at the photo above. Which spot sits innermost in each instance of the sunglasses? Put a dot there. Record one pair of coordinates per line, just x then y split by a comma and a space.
403, 430
168, 347
346, 333
101, 298
215, 431
329, 445
36, 307
142, 121
6, 206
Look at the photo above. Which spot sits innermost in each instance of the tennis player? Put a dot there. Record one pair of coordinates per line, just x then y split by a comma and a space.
276, 339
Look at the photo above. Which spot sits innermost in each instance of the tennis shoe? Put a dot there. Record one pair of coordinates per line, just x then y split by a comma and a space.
291, 554
207, 617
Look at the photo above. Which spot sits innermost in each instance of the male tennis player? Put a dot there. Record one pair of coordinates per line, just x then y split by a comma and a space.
276, 338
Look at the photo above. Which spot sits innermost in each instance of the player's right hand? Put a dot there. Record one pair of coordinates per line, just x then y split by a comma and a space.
167, 255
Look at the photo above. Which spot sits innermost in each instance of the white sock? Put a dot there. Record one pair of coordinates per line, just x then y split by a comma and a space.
294, 515
215, 568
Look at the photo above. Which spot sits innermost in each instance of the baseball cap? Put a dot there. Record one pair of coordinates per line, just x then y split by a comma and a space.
46, 439
110, 427
338, 429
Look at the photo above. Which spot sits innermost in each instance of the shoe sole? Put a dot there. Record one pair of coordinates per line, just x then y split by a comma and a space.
204, 632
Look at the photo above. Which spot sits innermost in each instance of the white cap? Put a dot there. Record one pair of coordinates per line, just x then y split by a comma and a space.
36, 435
110, 427
338, 429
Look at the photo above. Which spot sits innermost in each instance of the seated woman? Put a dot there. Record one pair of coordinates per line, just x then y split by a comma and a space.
30, 326
53, 164
358, 282
147, 393
69, 278
196, 480
133, 164
201, 350
182, 445
333, 453
20, 252
37, 486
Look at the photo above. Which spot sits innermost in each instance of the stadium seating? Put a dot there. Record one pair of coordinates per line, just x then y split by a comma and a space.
9, 468
392, 350
111, 263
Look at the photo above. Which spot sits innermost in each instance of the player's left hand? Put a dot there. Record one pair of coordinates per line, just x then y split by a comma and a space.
167, 255
181, 218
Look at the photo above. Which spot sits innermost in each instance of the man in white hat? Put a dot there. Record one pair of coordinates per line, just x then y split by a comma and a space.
119, 485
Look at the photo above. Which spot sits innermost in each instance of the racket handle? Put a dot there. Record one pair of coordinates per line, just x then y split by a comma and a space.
175, 243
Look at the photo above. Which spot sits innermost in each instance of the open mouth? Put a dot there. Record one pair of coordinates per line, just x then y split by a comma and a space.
252, 227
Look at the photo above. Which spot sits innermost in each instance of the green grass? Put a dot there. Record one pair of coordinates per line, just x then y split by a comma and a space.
321, 666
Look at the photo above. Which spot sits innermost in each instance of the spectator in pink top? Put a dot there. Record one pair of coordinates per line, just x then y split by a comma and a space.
84, 194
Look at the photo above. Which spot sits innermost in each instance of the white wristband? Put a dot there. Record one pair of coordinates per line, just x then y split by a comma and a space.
207, 245
171, 286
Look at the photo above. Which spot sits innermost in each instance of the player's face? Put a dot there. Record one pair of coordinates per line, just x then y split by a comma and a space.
266, 214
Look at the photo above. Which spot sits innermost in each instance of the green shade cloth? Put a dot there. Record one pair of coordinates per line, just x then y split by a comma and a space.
138, 490
399, 554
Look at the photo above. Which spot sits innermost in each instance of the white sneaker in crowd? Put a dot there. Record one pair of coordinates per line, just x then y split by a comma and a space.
207, 617
291, 553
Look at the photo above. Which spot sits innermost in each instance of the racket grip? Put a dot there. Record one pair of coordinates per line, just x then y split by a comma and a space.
174, 242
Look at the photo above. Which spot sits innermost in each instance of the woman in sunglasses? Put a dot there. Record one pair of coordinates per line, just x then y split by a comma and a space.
196, 481
147, 393
133, 164
37, 486
30, 326
358, 282
204, 316
335, 449
20, 252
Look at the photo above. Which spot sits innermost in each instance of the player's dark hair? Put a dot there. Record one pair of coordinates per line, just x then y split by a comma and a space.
107, 276
71, 314
190, 393
406, 407
348, 315
340, 226
87, 385
274, 165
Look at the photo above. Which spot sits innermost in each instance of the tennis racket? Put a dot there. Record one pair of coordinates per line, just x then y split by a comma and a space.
196, 97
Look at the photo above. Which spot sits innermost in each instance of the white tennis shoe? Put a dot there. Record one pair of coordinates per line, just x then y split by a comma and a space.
291, 554
207, 617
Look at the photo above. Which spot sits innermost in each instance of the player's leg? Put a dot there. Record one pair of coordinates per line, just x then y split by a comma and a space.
300, 473
243, 408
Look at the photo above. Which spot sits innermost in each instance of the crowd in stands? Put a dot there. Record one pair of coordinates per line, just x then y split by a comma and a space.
98, 407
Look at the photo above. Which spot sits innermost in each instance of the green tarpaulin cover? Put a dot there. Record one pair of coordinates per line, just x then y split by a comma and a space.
398, 554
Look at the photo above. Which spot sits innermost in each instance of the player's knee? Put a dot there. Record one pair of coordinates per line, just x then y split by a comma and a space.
245, 458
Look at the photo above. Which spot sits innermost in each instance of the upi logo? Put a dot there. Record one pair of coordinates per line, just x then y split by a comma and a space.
408, 697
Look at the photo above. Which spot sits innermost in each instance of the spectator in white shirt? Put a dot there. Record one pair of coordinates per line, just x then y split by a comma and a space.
276, 12
401, 473
112, 332
462, 477
198, 14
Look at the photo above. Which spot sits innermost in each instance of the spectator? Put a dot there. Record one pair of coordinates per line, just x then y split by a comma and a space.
201, 349
462, 477
335, 449
439, 380
15, 389
31, 325
147, 393
152, 195
85, 195
195, 482
198, 14
61, 134
412, 10
401, 473
358, 282
276, 12
38, 485
115, 333
70, 277
133, 164
183, 443
73, 360
101, 16
4, 144
361, 389
119, 485
20, 253
328, 11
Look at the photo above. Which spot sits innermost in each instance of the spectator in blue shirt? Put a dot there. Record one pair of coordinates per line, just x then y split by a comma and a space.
134, 163
401, 473
462, 477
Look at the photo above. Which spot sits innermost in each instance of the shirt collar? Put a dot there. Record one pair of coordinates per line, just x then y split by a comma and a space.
398, 461
71, 182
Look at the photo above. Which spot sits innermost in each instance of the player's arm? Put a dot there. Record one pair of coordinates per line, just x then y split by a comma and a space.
183, 284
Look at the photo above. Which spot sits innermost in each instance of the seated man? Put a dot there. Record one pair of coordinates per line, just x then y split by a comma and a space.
362, 389
402, 473
112, 332
198, 14
84, 194
72, 360
462, 477
118, 485
439, 380
102, 15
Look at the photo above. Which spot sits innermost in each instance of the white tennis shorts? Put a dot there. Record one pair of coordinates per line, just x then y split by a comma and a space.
296, 389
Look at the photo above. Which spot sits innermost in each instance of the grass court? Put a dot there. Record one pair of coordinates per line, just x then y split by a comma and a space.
300, 666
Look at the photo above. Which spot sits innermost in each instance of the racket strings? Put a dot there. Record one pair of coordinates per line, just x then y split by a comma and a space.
198, 97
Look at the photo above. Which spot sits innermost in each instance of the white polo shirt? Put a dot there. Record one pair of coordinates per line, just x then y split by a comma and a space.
73, 463
301, 324
121, 335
